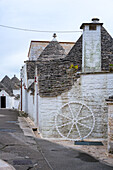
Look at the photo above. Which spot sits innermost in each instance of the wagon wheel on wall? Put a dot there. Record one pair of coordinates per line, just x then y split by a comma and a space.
74, 121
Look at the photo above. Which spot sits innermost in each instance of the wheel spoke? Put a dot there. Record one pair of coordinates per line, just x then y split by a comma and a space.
85, 117
71, 110
65, 116
64, 124
70, 130
79, 111
84, 125
78, 131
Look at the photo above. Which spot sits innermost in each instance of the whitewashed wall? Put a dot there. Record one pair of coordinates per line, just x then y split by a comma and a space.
24, 91
16, 92
16, 103
24, 100
91, 89
31, 106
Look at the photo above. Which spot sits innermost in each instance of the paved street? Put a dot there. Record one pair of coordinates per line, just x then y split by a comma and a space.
30, 153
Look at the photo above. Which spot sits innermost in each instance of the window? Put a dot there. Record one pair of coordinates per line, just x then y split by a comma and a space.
92, 27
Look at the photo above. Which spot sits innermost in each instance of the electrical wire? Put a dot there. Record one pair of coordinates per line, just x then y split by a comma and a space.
32, 30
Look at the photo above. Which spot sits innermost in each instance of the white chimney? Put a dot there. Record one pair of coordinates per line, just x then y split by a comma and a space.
91, 46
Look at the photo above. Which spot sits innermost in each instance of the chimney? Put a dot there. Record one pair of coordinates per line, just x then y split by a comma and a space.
91, 49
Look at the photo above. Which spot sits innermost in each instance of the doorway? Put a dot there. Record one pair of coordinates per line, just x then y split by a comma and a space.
3, 101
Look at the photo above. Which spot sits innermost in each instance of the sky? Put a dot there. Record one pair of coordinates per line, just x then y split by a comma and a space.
44, 15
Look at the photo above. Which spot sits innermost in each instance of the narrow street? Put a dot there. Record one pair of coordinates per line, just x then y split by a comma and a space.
31, 153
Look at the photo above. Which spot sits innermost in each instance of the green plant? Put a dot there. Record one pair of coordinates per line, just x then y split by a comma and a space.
111, 65
72, 66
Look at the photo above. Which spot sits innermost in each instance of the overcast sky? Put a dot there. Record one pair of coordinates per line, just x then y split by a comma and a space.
49, 15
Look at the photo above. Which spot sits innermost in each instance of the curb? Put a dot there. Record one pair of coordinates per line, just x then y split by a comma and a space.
5, 166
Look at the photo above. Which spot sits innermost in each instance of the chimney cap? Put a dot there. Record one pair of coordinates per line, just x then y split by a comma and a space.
95, 19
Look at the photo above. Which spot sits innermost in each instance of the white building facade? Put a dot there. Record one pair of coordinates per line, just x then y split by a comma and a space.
70, 104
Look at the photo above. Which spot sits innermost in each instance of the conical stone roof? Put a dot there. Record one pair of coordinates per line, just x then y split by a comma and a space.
2, 87
53, 51
15, 83
15, 80
6, 81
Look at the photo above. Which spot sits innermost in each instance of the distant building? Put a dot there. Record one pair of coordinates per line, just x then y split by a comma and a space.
9, 93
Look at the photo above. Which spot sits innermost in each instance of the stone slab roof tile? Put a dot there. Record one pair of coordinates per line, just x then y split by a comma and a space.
53, 51
2, 87
15, 83
30, 69
53, 77
6, 81
106, 49
36, 48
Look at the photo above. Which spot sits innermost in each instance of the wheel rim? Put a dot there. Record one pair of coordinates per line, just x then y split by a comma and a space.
74, 121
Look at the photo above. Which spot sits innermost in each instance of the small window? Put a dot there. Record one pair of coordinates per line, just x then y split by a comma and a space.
92, 27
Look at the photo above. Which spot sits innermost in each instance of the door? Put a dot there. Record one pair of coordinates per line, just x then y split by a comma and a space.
3, 101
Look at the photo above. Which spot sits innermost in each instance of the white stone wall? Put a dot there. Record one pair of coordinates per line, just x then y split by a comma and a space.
16, 103
31, 106
24, 78
31, 103
36, 104
24, 100
24, 91
16, 92
91, 49
90, 89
